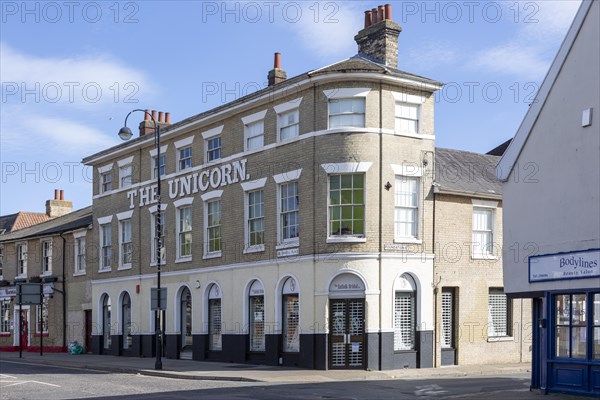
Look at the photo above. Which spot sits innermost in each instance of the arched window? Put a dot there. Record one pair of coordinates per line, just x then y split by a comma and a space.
126, 320
214, 318
185, 317
404, 313
291, 316
106, 321
257, 316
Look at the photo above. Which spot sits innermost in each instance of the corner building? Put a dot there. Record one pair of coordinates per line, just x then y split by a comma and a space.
297, 222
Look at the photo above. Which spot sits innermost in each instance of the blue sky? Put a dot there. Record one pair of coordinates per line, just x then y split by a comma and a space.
71, 71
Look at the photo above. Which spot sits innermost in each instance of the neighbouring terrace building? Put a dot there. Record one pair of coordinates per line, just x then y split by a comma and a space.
302, 226
551, 186
51, 254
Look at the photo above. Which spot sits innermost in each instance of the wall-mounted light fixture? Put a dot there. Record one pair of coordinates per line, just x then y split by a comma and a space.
388, 186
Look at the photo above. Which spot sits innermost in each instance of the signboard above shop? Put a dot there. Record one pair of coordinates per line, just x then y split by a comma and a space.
564, 266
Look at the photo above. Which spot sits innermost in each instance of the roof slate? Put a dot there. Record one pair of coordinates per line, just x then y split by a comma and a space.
20, 220
464, 172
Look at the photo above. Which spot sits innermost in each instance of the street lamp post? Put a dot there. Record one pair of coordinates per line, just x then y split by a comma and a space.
126, 134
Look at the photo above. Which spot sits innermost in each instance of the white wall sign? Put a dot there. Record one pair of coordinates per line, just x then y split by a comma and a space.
345, 282
562, 266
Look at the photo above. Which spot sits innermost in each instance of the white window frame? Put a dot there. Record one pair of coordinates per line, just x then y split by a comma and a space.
399, 117
253, 120
250, 187
409, 100
499, 304
208, 151
154, 157
104, 171
123, 243
416, 237
104, 183
207, 198
182, 204
286, 178
284, 109
209, 135
331, 238
346, 94
476, 249
181, 159
102, 224
125, 172
153, 212
21, 260
78, 251
46, 246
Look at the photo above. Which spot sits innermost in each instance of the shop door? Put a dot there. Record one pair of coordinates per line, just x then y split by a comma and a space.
24, 330
347, 334
88, 330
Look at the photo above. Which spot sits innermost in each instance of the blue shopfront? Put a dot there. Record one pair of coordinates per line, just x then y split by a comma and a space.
566, 334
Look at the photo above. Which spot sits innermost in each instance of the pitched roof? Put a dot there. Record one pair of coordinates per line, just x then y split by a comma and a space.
354, 64
499, 150
509, 159
466, 173
20, 220
68, 222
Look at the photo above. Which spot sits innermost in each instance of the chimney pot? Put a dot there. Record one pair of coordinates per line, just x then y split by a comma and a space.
62, 194
367, 19
147, 115
167, 117
277, 61
161, 116
154, 115
380, 15
55, 194
388, 11
374, 16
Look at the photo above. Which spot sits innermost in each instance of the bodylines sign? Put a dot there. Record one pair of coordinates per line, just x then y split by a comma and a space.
185, 185
571, 265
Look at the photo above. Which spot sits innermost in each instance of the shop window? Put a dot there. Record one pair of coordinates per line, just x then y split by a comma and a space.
214, 318
256, 317
291, 316
596, 327
404, 314
4, 316
499, 313
571, 325
126, 320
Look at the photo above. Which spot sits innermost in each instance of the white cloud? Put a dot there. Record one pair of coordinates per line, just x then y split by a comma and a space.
530, 51
327, 29
80, 80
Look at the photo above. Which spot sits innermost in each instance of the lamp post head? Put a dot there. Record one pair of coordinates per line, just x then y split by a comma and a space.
125, 133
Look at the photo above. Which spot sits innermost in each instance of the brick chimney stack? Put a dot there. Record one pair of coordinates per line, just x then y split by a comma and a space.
162, 119
59, 206
276, 75
378, 40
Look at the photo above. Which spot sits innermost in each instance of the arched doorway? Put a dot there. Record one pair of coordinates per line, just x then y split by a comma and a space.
106, 322
126, 320
214, 318
185, 320
347, 344
256, 318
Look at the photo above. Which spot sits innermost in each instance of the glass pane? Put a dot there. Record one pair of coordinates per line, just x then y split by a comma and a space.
578, 342
597, 309
579, 309
562, 341
596, 344
563, 309
346, 196
346, 181
359, 181
334, 182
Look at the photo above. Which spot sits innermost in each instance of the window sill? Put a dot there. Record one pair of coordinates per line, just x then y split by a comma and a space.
82, 273
215, 254
102, 271
182, 260
21, 278
254, 249
124, 267
287, 245
408, 240
347, 240
500, 339
153, 264
484, 257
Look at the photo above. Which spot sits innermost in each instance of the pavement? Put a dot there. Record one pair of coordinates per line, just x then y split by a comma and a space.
205, 370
